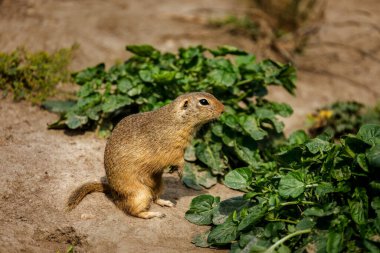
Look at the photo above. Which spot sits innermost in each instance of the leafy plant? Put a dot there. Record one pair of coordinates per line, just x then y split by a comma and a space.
342, 118
319, 196
33, 76
70, 249
150, 79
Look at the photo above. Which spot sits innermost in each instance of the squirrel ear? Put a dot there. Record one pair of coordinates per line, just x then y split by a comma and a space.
185, 104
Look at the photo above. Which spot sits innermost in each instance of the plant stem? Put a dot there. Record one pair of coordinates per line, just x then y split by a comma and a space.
284, 220
293, 203
173, 66
297, 202
282, 240
244, 82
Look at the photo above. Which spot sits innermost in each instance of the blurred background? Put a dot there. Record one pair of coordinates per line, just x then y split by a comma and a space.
335, 45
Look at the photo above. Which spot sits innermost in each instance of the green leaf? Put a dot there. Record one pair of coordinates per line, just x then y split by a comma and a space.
334, 242
359, 206
341, 173
75, 121
255, 215
246, 62
146, 75
124, 85
354, 145
298, 137
58, 106
282, 109
114, 102
200, 240
306, 223
375, 204
239, 179
190, 154
370, 134
327, 209
247, 150
86, 103
292, 185
278, 125
217, 129
225, 50
371, 247
229, 137
373, 156
292, 155
375, 185
211, 156
315, 211
287, 78
221, 77
318, 146
191, 56
250, 125
207, 179
274, 228
94, 112
137, 90
230, 120
283, 249
224, 233
89, 74
105, 128
264, 113
357, 212
86, 90
189, 177
202, 209
257, 245
195, 177
164, 77
227, 207
143, 50
324, 188
362, 161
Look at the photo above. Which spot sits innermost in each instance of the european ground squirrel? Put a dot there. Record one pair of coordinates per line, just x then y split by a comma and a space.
142, 145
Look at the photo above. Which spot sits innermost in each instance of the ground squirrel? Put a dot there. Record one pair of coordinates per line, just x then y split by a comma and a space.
142, 145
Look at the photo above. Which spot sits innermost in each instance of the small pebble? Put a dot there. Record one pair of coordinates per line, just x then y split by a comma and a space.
87, 216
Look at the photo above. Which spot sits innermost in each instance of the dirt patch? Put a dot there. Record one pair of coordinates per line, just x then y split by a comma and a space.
39, 168
61, 237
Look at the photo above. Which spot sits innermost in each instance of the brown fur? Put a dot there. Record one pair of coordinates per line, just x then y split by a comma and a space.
142, 145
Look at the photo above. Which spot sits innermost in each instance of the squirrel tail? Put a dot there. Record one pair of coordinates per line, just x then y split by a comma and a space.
81, 192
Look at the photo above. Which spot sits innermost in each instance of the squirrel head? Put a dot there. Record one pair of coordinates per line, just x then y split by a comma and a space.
197, 108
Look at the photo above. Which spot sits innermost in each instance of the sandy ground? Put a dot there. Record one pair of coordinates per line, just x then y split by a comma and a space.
39, 167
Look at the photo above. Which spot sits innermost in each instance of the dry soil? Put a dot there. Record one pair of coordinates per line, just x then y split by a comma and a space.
39, 167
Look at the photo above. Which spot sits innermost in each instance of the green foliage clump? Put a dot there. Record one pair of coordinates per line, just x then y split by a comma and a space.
33, 76
151, 79
318, 196
342, 118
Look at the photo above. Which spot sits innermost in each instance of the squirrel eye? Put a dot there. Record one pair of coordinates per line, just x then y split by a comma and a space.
203, 101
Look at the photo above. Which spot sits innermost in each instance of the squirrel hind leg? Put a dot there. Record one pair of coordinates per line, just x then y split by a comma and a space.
149, 215
137, 203
164, 202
